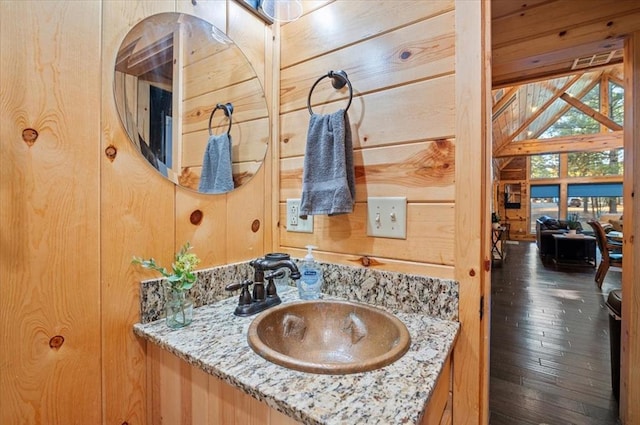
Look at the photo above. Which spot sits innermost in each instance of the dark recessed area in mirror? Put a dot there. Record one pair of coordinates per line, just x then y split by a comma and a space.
171, 72
512, 196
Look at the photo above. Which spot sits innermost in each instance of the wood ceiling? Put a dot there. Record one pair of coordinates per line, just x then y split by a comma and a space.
538, 39
562, 48
522, 113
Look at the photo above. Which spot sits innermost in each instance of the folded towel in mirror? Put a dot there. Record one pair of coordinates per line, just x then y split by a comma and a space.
217, 175
328, 178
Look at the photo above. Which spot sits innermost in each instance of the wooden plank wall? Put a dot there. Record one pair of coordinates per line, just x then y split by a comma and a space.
71, 219
630, 349
49, 214
518, 218
399, 57
540, 38
473, 199
413, 120
219, 77
156, 218
186, 395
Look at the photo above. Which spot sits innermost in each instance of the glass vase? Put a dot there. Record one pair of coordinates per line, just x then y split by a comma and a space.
178, 309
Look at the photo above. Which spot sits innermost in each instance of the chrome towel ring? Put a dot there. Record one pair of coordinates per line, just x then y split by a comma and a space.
228, 111
338, 80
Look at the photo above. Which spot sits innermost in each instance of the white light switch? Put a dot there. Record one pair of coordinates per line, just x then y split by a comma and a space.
387, 217
294, 222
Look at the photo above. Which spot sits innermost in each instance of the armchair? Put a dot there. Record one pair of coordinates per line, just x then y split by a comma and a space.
608, 250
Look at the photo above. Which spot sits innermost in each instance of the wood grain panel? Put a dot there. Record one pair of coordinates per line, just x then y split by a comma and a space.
550, 18
137, 216
214, 12
225, 234
49, 219
503, 8
191, 397
249, 139
272, 168
213, 212
472, 208
375, 262
431, 225
411, 53
541, 39
576, 143
549, 64
254, 38
221, 69
247, 106
409, 113
419, 171
630, 349
439, 397
245, 207
171, 389
188, 396
316, 33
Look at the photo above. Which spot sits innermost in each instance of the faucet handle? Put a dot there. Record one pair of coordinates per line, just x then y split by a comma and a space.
245, 295
271, 287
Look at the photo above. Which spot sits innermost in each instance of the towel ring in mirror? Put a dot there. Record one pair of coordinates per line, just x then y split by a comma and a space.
338, 80
228, 111
164, 94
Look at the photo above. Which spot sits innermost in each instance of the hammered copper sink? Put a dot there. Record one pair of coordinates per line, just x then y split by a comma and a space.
329, 337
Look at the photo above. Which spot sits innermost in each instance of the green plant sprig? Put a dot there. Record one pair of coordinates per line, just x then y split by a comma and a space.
182, 276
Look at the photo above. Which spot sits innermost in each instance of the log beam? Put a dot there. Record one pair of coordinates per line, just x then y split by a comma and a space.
587, 110
577, 143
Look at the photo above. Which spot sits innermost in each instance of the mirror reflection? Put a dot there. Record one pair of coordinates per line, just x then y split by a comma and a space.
512, 196
191, 103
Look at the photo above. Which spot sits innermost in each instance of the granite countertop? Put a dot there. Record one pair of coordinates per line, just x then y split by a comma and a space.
216, 342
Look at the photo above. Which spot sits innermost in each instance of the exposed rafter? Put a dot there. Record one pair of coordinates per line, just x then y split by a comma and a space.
504, 101
563, 110
527, 122
577, 143
587, 110
534, 108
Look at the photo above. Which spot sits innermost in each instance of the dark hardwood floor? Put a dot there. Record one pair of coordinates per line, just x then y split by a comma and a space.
549, 343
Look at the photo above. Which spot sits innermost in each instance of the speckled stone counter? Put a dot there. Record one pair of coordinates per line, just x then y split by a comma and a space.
216, 342
398, 291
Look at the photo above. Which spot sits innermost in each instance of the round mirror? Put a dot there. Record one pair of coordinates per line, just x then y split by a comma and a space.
191, 103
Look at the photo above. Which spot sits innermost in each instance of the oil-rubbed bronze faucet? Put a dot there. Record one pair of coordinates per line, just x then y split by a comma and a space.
262, 298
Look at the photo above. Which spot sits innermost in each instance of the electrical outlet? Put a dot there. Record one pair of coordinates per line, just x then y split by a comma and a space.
294, 222
387, 217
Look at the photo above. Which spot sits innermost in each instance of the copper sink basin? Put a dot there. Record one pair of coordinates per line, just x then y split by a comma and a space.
329, 337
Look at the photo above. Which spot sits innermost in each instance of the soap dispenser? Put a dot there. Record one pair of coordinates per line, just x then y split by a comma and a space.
310, 281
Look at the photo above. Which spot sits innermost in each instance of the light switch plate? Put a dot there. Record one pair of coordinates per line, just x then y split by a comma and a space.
387, 217
294, 222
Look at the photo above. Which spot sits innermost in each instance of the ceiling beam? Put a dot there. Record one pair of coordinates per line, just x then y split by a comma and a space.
590, 112
563, 110
539, 111
504, 101
543, 40
576, 143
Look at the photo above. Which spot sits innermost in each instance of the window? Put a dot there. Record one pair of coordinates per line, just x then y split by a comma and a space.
594, 164
545, 166
544, 201
574, 121
590, 201
616, 102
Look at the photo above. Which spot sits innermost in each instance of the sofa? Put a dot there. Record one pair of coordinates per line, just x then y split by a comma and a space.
545, 228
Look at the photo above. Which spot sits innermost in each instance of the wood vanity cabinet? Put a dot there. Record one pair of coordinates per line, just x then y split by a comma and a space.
180, 393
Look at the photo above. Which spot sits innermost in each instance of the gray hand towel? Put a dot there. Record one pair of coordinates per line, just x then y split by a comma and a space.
328, 177
217, 176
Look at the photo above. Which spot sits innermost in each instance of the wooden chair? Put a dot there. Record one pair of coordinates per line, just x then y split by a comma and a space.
607, 250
